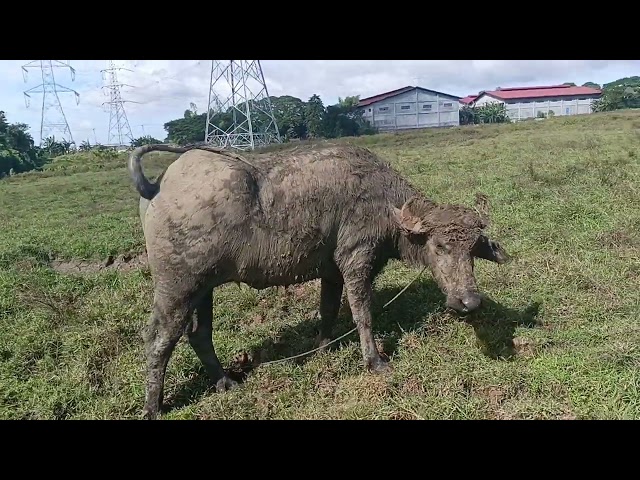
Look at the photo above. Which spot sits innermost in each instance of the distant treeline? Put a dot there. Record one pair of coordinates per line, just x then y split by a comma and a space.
295, 119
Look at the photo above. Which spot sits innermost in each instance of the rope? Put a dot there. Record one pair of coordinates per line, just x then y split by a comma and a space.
273, 362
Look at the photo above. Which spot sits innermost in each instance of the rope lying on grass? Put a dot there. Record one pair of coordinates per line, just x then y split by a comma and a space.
273, 362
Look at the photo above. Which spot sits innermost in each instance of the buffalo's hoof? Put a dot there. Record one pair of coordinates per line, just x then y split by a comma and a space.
148, 414
321, 344
225, 384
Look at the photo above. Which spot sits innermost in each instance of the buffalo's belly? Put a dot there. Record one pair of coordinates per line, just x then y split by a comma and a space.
267, 270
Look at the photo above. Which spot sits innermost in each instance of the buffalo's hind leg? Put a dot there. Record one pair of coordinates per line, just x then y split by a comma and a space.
201, 342
166, 326
330, 297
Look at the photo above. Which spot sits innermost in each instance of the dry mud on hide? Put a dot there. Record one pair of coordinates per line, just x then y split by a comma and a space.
122, 263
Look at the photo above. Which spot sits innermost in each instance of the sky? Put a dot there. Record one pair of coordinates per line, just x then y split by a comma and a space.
164, 89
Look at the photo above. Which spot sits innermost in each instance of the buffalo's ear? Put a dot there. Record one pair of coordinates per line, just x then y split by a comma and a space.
408, 222
487, 249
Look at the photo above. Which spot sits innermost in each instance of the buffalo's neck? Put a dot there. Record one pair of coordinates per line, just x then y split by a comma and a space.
412, 253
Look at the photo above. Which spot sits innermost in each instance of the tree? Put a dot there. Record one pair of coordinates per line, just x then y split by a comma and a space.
54, 148
345, 119
623, 82
314, 116
618, 97
349, 102
289, 113
145, 140
189, 129
489, 113
619, 94
17, 150
295, 119
468, 115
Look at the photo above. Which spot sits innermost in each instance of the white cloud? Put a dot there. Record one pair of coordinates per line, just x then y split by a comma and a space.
165, 88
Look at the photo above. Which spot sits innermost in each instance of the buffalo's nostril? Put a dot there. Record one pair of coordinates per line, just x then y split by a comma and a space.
471, 301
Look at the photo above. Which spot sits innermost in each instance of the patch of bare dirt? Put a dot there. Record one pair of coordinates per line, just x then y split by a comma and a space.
618, 239
495, 397
122, 263
524, 346
412, 386
529, 347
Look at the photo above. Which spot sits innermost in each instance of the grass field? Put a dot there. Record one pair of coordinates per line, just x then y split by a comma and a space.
559, 337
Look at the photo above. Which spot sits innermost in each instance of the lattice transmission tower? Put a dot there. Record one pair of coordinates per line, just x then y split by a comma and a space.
53, 119
246, 99
119, 129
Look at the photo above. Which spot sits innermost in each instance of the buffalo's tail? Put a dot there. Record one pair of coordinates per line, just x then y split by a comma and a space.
145, 188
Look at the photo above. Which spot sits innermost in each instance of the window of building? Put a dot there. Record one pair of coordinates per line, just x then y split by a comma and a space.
405, 107
447, 105
383, 109
426, 107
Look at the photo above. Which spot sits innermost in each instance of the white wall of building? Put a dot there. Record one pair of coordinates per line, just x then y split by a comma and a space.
523, 109
414, 109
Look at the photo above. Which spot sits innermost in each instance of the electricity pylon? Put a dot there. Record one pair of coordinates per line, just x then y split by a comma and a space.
119, 128
252, 121
53, 119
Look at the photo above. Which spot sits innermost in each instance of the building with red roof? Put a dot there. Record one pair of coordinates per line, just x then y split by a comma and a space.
411, 107
468, 100
531, 102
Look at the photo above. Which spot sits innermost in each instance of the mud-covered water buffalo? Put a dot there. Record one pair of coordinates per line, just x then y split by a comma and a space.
337, 213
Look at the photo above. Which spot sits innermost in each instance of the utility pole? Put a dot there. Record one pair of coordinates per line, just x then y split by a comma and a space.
119, 129
53, 119
247, 101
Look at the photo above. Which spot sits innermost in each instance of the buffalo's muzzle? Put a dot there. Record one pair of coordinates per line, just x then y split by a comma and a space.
471, 301
465, 304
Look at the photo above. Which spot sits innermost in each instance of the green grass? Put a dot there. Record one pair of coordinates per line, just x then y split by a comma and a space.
558, 338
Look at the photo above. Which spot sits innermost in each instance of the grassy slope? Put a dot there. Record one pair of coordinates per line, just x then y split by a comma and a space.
559, 339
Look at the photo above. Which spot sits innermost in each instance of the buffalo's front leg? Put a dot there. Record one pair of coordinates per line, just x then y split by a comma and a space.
359, 293
330, 296
201, 342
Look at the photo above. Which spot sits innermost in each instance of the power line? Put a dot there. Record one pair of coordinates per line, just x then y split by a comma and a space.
53, 118
173, 77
